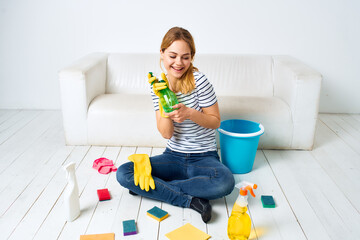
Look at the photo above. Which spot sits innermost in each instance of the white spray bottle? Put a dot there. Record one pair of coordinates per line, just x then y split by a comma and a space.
71, 194
239, 224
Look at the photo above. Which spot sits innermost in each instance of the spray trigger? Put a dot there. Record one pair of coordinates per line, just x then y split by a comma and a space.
245, 186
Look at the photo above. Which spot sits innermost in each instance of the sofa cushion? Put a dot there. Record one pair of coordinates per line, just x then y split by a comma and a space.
272, 112
109, 113
109, 116
122, 67
238, 75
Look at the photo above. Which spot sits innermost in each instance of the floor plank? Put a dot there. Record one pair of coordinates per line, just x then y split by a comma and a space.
88, 183
355, 116
13, 147
277, 223
292, 188
15, 122
53, 223
104, 209
346, 131
340, 162
333, 209
46, 188
6, 114
18, 175
22, 190
217, 227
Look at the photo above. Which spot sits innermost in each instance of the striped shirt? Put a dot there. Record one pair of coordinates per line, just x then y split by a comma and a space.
189, 137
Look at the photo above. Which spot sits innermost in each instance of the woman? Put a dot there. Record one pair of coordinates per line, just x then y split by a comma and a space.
189, 172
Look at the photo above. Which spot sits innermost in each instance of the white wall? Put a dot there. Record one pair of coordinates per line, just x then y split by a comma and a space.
38, 37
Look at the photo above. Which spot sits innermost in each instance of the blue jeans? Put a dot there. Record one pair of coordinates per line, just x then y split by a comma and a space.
181, 176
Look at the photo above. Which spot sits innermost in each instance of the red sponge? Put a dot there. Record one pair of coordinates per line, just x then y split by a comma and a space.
103, 194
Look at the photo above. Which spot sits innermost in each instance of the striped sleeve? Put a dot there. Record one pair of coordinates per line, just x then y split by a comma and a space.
155, 99
205, 91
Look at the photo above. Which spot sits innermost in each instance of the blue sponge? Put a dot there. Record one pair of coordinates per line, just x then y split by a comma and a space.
268, 201
129, 227
157, 213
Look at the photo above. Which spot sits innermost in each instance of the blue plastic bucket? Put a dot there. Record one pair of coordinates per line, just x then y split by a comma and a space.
239, 140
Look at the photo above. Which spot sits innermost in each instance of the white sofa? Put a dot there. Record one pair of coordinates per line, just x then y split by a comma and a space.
106, 98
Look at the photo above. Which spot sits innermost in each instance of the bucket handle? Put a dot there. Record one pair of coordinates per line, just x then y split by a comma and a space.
260, 132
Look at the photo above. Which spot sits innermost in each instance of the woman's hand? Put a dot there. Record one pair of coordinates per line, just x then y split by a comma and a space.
181, 114
209, 117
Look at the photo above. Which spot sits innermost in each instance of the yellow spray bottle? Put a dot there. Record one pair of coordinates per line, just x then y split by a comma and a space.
239, 224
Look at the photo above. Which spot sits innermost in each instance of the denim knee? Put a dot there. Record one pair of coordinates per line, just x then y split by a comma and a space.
230, 183
124, 174
226, 182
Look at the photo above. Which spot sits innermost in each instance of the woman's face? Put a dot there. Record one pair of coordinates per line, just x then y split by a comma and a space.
176, 59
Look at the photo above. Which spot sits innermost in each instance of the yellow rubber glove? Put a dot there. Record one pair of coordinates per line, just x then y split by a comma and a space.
157, 87
162, 110
163, 77
142, 171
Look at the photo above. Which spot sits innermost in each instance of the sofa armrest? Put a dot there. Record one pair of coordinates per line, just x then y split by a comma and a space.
80, 83
299, 86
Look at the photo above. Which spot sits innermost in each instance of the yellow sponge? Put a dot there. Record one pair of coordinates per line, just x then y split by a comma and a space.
157, 213
105, 236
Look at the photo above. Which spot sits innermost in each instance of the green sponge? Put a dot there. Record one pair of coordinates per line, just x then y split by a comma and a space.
157, 213
268, 201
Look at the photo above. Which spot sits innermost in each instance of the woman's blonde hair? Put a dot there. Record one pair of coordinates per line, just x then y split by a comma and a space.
187, 81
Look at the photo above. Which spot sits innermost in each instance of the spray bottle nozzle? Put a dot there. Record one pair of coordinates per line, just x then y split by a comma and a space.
245, 186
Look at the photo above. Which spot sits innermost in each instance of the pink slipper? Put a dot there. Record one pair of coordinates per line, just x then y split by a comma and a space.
104, 165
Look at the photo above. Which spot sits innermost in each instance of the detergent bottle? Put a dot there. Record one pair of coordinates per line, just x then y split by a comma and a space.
167, 97
71, 194
239, 224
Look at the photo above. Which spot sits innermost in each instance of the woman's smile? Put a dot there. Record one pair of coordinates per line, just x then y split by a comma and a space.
176, 59
177, 69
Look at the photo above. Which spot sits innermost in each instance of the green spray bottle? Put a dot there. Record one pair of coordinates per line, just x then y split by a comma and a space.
167, 97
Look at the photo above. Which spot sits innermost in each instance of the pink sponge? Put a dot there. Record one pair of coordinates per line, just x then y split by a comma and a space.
104, 165
103, 194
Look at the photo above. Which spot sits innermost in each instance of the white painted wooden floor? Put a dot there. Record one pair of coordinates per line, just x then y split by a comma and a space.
317, 193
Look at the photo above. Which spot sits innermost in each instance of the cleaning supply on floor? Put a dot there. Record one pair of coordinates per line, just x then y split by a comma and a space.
167, 98
103, 236
103, 194
157, 213
267, 201
71, 194
187, 232
129, 227
239, 224
142, 171
104, 165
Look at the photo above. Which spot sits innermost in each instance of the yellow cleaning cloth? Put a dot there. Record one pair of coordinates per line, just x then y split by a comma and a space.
105, 236
187, 231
